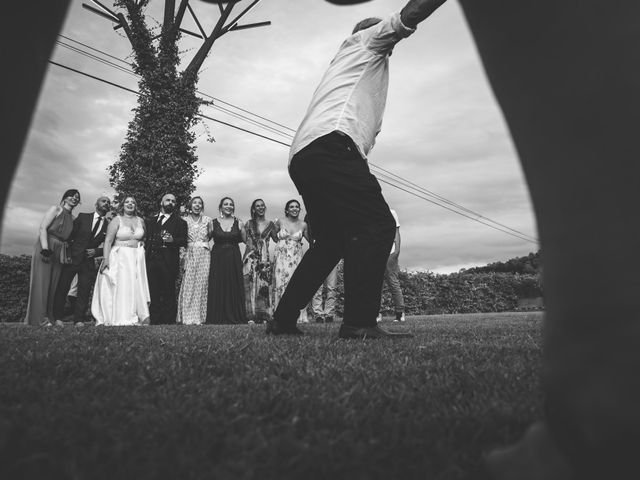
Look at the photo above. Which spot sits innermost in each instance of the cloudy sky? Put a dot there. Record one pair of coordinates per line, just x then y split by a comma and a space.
442, 130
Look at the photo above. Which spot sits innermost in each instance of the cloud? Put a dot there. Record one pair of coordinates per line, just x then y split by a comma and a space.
442, 129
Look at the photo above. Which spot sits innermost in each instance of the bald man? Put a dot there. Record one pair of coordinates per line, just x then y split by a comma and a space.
89, 230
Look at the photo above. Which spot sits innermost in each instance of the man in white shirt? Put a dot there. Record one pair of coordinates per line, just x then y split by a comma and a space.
328, 164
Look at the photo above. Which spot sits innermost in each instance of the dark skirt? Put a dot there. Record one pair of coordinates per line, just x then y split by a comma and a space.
226, 303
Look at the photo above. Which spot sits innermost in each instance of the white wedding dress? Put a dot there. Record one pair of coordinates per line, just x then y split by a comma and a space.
121, 295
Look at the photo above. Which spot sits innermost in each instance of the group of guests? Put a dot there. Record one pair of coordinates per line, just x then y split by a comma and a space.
143, 260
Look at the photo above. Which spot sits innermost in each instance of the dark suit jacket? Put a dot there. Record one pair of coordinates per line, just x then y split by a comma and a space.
169, 253
81, 239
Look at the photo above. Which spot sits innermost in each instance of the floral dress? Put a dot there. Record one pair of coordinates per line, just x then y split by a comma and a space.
192, 300
288, 255
257, 272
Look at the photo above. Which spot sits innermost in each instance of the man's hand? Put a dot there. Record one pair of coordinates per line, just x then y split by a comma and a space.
91, 252
416, 11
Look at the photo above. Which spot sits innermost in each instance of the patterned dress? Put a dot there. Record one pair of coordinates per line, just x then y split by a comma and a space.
257, 272
44, 276
226, 285
192, 300
288, 255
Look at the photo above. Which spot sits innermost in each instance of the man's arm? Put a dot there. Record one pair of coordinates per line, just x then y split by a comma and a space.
416, 11
397, 242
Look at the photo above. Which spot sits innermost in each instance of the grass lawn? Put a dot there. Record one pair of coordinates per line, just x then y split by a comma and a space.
228, 402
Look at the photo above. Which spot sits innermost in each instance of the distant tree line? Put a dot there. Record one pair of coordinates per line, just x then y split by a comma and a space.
530, 264
425, 293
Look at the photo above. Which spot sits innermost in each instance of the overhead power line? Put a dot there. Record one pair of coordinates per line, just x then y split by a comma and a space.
385, 176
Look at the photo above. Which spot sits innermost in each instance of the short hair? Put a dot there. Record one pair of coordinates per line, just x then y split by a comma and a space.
366, 23
286, 207
190, 204
69, 193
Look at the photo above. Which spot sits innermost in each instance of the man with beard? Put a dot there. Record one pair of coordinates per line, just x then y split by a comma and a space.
166, 233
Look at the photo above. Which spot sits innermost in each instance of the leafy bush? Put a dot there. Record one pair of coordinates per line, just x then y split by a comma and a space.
14, 287
425, 293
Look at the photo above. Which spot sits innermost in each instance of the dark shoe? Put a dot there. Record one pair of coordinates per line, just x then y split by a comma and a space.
274, 329
347, 331
319, 319
328, 319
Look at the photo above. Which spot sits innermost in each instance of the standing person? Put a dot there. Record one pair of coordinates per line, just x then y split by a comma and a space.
323, 312
166, 233
226, 302
89, 231
288, 254
46, 262
257, 269
121, 295
391, 275
192, 300
328, 164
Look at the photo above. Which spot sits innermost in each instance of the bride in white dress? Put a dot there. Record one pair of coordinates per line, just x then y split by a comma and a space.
288, 251
121, 295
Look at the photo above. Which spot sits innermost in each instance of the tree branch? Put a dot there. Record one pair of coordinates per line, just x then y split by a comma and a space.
199, 58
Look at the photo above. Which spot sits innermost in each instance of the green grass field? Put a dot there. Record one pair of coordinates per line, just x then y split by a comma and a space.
228, 402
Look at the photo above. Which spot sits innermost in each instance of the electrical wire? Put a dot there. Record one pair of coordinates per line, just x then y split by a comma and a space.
383, 175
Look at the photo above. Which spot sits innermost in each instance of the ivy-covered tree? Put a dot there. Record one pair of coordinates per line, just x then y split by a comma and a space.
159, 155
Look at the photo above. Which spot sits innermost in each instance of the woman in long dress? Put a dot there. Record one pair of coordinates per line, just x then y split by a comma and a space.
46, 262
121, 295
226, 285
256, 268
288, 251
192, 299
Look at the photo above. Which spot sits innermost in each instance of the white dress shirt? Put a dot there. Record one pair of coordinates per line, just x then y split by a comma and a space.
352, 94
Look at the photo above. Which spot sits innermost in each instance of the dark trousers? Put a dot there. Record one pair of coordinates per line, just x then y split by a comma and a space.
86, 271
350, 219
162, 289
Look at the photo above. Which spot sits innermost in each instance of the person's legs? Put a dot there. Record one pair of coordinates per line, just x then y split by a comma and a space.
316, 302
567, 79
86, 279
66, 277
331, 284
349, 215
391, 277
158, 280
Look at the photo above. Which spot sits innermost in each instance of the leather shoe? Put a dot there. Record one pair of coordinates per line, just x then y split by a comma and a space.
319, 319
328, 319
348, 331
275, 329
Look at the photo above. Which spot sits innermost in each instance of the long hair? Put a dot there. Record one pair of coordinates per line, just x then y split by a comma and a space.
120, 209
286, 207
252, 212
190, 204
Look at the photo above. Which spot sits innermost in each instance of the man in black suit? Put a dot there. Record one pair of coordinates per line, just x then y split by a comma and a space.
89, 230
166, 233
